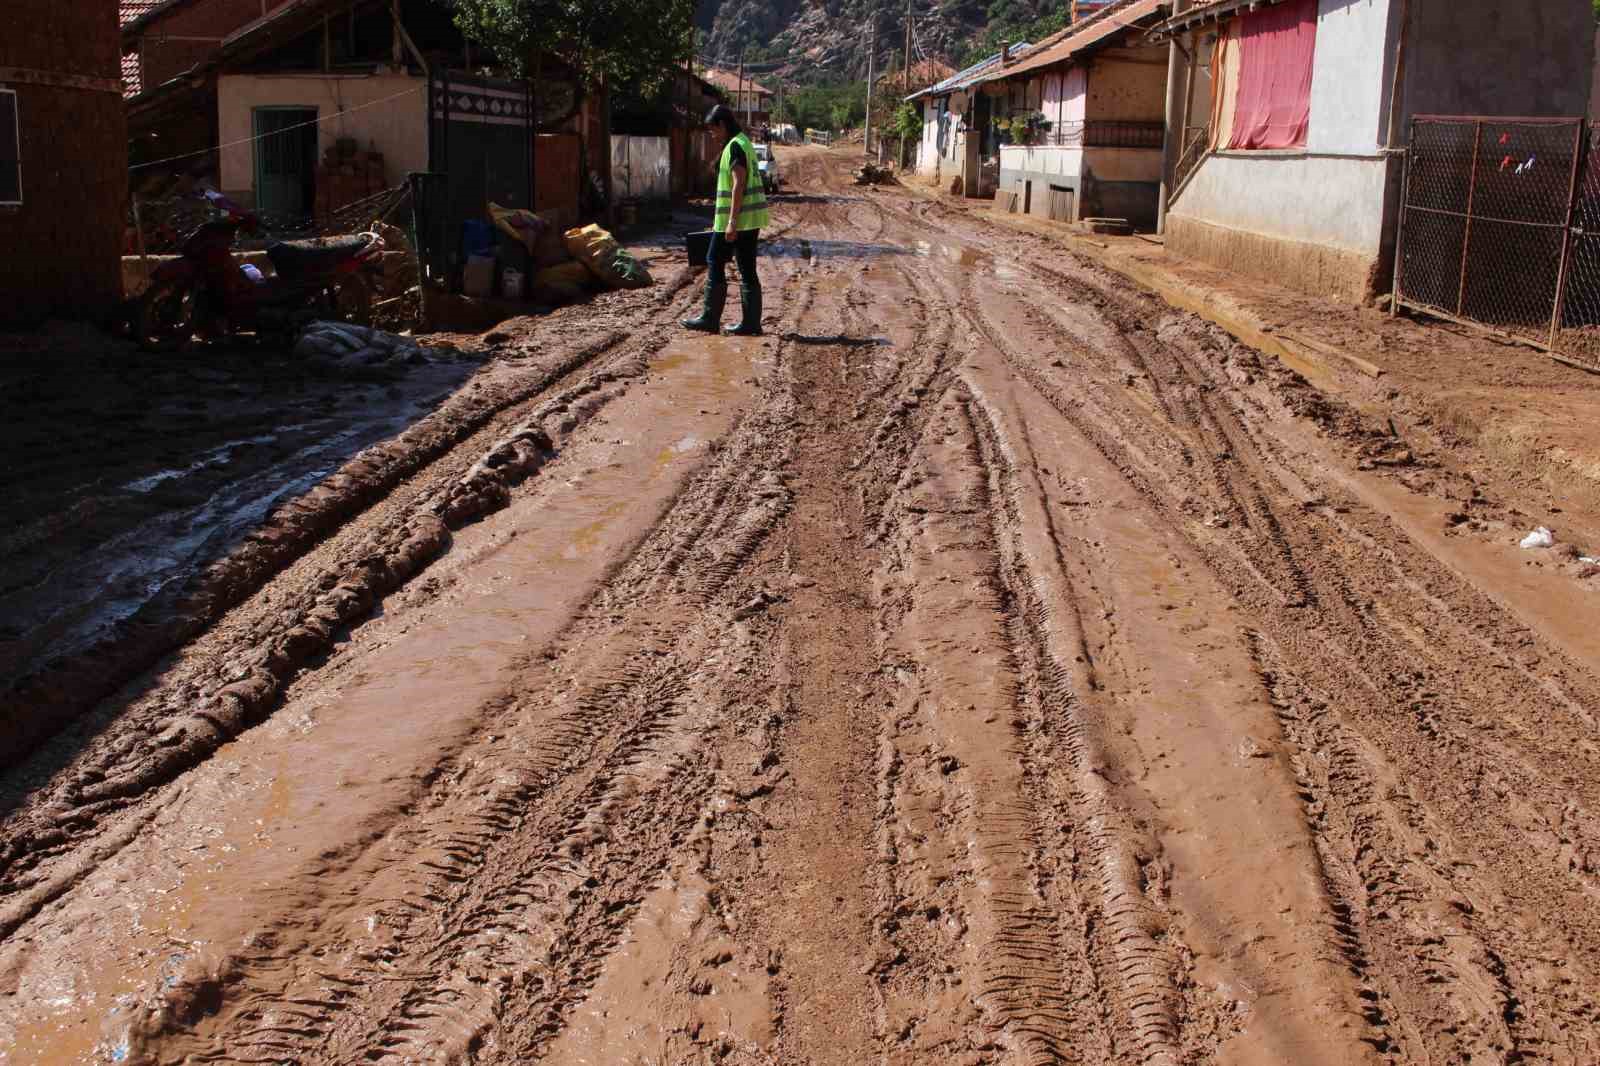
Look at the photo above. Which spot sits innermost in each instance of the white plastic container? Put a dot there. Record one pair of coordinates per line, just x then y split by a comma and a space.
511, 284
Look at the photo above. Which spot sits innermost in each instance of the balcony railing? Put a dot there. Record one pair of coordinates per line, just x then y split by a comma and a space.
1105, 135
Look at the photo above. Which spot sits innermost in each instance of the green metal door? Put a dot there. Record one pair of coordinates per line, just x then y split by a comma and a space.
286, 156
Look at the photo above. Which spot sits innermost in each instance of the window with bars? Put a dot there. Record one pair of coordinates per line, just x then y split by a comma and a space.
10, 150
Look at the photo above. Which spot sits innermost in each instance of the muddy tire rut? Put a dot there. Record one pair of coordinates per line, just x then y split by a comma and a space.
989, 665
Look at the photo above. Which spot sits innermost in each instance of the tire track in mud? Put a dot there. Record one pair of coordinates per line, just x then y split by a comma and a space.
1137, 955
955, 767
1029, 916
874, 678
148, 754
492, 910
1043, 1011
35, 706
1435, 984
1397, 615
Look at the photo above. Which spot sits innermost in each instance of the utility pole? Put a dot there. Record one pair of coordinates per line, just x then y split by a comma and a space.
905, 86
742, 91
1170, 147
690, 119
906, 83
866, 136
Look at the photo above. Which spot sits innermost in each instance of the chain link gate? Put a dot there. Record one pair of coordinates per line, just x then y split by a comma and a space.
1500, 228
1577, 334
1484, 220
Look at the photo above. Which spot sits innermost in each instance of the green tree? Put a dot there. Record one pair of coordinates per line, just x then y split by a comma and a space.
1014, 21
830, 106
629, 42
908, 123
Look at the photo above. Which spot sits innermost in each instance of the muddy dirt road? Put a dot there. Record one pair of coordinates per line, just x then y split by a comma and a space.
990, 665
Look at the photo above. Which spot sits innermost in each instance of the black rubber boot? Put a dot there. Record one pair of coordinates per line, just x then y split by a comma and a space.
750, 313
710, 317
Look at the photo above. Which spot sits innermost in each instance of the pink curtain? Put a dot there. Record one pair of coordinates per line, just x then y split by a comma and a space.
1276, 46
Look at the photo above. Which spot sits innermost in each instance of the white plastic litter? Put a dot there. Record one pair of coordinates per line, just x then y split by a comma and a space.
1539, 538
360, 351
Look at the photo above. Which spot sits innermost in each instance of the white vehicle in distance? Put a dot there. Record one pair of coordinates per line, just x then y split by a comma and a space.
767, 165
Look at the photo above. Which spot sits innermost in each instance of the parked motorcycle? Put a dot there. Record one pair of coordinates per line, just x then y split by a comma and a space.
205, 292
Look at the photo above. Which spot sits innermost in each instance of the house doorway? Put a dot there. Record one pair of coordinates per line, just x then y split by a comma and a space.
286, 160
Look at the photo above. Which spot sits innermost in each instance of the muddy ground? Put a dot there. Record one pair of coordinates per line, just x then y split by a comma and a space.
989, 665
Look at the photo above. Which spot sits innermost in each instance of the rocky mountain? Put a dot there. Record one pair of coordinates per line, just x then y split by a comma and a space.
822, 40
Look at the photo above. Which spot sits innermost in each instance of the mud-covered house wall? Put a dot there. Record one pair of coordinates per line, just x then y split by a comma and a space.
1322, 218
66, 179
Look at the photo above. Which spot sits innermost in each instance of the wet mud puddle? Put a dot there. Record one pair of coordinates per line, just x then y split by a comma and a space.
195, 511
241, 845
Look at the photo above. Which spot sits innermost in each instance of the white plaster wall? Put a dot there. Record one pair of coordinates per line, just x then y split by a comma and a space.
928, 153
1338, 202
1347, 76
1066, 97
397, 127
929, 160
1063, 162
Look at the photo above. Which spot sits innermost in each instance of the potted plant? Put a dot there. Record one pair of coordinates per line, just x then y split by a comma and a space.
1029, 129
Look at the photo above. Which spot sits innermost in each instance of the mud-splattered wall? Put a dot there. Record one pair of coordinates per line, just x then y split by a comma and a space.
60, 249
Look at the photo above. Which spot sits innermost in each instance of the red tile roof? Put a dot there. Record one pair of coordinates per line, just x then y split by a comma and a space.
133, 10
924, 72
132, 80
729, 80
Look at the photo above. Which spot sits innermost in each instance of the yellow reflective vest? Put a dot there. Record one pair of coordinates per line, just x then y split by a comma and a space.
753, 207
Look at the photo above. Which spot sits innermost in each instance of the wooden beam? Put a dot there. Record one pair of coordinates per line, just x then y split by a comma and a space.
29, 76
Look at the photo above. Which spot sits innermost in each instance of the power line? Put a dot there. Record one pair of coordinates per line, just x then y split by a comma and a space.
274, 133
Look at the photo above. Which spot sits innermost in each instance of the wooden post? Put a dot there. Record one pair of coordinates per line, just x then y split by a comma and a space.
1579, 143
1170, 151
138, 234
1466, 234
533, 128
866, 133
605, 152
905, 85
741, 93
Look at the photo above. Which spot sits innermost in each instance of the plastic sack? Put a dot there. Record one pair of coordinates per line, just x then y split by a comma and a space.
519, 224
598, 250
562, 284
533, 231
568, 273
1539, 538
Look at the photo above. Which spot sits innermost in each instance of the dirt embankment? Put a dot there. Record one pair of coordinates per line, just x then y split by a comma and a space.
920, 682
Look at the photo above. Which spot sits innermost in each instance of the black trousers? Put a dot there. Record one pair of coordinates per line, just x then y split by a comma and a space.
742, 251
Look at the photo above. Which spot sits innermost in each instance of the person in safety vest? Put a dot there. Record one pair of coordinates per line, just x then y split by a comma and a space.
741, 213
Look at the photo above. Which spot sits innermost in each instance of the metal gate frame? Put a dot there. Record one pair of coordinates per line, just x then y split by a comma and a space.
1559, 207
